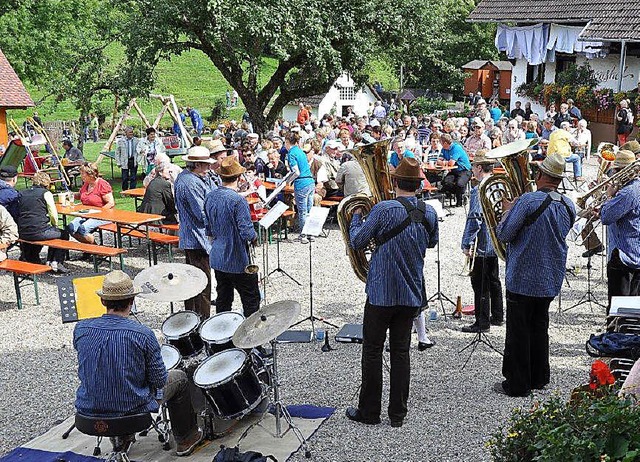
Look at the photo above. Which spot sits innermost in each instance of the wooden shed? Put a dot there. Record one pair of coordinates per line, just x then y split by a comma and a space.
13, 95
490, 78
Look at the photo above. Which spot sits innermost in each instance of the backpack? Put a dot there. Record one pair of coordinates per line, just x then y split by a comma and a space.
614, 345
234, 455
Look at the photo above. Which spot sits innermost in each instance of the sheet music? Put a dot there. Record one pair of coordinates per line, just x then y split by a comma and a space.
315, 221
286, 180
627, 306
437, 206
272, 215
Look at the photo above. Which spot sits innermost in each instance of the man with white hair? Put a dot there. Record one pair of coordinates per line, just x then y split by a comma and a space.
513, 132
172, 170
583, 136
379, 111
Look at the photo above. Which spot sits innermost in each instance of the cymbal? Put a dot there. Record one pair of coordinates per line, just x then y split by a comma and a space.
511, 148
266, 324
170, 282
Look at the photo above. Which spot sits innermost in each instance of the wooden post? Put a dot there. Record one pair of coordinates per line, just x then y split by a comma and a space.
4, 133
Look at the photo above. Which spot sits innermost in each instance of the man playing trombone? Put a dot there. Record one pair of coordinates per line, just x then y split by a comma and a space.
228, 222
477, 245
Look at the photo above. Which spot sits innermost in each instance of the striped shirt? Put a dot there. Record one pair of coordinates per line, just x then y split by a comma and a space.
228, 222
119, 366
536, 254
476, 227
395, 272
622, 215
190, 191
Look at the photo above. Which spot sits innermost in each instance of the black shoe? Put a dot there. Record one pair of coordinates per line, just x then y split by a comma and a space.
396, 423
496, 322
425, 345
499, 388
353, 413
474, 329
594, 251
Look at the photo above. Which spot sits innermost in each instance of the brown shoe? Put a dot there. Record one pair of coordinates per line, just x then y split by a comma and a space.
188, 445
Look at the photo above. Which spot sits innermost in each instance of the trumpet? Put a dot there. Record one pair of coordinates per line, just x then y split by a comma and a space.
470, 259
251, 268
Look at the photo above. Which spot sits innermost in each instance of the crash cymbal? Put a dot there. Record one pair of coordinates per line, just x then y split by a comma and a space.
170, 282
511, 148
266, 324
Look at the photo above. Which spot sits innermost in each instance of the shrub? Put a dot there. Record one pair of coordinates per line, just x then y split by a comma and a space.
428, 106
596, 427
217, 111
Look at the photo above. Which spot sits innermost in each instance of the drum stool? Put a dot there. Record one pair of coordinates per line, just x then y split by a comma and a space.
114, 427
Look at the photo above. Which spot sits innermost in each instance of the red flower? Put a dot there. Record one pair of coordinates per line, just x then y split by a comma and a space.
600, 375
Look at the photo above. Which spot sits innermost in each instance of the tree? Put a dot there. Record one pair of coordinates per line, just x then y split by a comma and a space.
270, 52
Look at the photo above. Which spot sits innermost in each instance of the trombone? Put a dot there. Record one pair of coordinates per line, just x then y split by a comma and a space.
251, 268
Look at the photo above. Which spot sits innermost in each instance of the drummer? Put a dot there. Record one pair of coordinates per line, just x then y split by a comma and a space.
121, 370
228, 221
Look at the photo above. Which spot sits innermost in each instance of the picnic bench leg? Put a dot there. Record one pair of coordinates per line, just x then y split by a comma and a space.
110, 264
154, 252
35, 288
16, 283
118, 236
121, 262
95, 263
170, 253
149, 245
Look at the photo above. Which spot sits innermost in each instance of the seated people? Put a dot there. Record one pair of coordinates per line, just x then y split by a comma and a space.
73, 156
351, 178
96, 192
399, 152
477, 138
332, 160
250, 185
121, 370
319, 174
562, 142
456, 180
38, 220
513, 133
8, 232
275, 168
158, 197
173, 170
9, 196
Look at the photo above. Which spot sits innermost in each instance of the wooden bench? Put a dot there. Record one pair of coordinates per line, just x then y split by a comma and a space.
98, 252
24, 271
157, 239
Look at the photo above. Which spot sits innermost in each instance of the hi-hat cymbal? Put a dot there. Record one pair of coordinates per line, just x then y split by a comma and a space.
170, 282
266, 324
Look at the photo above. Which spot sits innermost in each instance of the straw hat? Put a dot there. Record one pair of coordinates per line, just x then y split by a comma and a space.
632, 146
553, 165
480, 158
624, 157
198, 154
229, 167
408, 169
117, 285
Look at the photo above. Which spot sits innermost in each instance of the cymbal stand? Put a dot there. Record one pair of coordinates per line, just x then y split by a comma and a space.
439, 296
480, 337
280, 410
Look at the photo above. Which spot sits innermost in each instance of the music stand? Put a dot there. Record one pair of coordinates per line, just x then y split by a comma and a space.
439, 296
266, 222
588, 296
313, 227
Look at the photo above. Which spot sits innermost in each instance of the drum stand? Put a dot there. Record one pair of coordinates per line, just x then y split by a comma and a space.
280, 410
439, 296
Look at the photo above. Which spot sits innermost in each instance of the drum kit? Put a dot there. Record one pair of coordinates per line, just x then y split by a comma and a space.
230, 375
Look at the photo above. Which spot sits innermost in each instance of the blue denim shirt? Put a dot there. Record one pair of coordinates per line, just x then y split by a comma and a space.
119, 366
622, 214
536, 254
396, 268
228, 222
476, 227
190, 191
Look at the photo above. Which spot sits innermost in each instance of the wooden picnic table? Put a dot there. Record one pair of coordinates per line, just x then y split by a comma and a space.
288, 189
136, 193
126, 221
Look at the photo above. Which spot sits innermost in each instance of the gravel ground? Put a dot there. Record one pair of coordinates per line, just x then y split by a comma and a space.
452, 412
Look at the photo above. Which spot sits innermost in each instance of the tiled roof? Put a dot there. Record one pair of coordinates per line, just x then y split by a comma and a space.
621, 24
479, 63
312, 101
12, 92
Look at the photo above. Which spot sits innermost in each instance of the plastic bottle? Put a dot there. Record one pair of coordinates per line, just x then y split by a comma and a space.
433, 315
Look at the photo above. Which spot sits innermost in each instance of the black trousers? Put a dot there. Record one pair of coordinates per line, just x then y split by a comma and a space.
487, 290
129, 177
398, 320
31, 253
621, 280
526, 350
178, 399
201, 303
245, 284
455, 182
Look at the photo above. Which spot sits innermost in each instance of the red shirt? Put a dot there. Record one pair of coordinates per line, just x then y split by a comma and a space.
94, 197
303, 116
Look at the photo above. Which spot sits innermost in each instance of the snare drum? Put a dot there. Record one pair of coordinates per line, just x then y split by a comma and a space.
217, 331
230, 383
181, 330
170, 357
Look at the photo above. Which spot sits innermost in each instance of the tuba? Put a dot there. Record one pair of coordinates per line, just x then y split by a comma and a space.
517, 180
373, 160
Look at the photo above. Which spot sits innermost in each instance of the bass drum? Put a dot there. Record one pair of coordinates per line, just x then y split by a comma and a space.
229, 383
181, 330
217, 331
